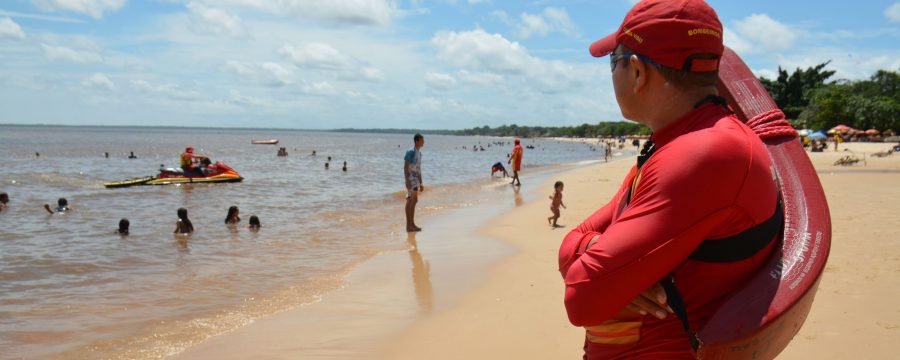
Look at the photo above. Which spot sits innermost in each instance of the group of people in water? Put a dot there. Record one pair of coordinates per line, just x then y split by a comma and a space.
182, 226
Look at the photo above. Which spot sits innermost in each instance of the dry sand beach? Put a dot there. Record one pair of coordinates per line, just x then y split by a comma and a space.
514, 310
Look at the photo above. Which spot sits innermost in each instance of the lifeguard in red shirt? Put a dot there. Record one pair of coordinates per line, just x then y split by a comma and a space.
694, 218
516, 159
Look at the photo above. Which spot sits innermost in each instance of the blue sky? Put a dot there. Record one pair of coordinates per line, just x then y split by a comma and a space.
323, 64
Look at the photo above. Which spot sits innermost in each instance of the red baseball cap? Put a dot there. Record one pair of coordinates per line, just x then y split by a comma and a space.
679, 34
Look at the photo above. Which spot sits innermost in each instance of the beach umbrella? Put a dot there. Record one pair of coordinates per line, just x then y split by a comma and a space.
817, 135
888, 132
872, 132
842, 128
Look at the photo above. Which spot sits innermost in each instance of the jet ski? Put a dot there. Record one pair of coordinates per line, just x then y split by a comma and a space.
207, 173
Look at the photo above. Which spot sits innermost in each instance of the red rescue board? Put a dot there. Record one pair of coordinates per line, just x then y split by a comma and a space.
760, 319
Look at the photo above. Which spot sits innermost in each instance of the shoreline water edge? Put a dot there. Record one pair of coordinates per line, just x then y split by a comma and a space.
146, 273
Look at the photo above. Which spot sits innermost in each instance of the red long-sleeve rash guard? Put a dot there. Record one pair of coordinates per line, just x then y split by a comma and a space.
709, 178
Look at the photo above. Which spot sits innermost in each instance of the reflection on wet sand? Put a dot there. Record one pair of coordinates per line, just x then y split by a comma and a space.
519, 200
421, 276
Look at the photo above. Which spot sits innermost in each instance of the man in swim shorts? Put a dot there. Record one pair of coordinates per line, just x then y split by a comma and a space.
702, 184
412, 172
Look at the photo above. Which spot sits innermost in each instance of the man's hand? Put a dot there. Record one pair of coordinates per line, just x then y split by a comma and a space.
651, 301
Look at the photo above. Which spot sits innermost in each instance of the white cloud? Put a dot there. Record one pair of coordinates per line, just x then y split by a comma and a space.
265, 73
10, 30
440, 81
480, 50
492, 53
372, 74
69, 54
99, 81
551, 20
169, 91
93, 8
325, 57
322, 88
316, 55
216, 21
14, 14
479, 78
893, 12
350, 12
760, 33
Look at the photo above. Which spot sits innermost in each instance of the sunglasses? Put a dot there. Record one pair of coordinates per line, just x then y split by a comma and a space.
614, 58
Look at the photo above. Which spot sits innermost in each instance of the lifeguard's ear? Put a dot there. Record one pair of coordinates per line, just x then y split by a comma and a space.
638, 70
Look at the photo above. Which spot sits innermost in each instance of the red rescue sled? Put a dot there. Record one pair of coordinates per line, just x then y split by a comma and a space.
759, 320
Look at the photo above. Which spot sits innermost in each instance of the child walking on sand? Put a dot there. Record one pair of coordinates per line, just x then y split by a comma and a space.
555, 203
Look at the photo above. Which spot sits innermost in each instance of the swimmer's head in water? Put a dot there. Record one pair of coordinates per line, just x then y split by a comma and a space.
4, 198
182, 213
232, 213
62, 202
123, 226
254, 221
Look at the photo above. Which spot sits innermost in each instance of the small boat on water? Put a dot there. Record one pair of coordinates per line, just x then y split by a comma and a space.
264, 142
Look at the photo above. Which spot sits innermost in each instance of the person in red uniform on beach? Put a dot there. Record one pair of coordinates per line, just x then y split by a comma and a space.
646, 271
516, 159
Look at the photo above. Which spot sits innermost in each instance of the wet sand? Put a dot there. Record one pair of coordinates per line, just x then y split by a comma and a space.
462, 294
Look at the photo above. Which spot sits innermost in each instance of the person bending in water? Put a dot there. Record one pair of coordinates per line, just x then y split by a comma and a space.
498, 167
62, 205
124, 224
555, 203
232, 217
254, 223
183, 225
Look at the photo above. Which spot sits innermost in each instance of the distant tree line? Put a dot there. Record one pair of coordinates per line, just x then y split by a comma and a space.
617, 128
810, 101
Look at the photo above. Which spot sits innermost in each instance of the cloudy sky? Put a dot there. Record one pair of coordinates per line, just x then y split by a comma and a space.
322, 64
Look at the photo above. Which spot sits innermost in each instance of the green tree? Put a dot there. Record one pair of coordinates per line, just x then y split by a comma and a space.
791, 92
865, 104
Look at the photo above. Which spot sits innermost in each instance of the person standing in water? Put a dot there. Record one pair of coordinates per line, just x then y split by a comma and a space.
183, 225
124, 225
412, 172
62, 205
515, 158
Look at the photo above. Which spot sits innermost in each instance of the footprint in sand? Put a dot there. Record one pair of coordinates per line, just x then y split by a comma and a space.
887, 325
